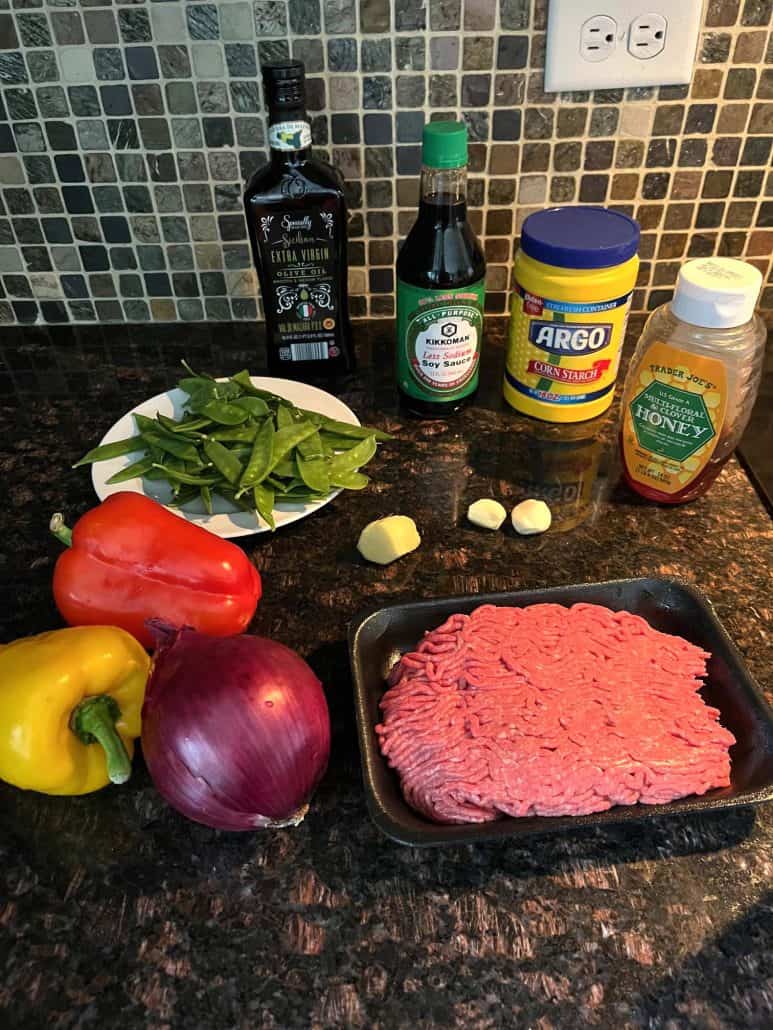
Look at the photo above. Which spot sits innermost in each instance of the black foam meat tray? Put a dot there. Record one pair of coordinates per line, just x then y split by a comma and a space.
378, 638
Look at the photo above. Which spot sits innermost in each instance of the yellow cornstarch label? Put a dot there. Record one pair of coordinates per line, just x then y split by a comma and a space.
672, 417
563, 354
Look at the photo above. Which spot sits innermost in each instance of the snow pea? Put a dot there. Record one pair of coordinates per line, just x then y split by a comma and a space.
185, 495
348, 461
187, 427
239, 434
261, 459
284, 416
255, 407
350, 480
116, 449
288, 437
137, 468
311, 447
263, 497
226, 463
224, 412
336, 442
314, 473
172, 445
187, 478
346, 428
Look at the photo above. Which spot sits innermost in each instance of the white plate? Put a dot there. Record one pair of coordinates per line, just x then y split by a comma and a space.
226, 521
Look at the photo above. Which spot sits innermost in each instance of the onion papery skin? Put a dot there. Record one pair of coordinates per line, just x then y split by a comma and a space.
235, 730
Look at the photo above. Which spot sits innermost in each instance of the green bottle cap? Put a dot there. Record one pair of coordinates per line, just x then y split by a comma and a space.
444, 145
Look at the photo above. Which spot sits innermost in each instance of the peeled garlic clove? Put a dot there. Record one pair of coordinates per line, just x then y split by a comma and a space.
486, 513
388, 539
531, 517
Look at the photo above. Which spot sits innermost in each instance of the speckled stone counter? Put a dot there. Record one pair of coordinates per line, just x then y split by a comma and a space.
115, 911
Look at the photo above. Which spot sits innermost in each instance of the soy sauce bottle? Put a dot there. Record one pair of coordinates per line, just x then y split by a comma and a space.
440, 284
296, 216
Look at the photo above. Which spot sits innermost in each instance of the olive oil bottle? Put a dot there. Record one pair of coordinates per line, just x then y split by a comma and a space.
440, 284
296, 216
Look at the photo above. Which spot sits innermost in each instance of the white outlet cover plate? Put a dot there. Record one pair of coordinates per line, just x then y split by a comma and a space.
566, 70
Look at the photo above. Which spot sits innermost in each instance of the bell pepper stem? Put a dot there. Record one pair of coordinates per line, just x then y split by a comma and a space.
93, 721
61, 531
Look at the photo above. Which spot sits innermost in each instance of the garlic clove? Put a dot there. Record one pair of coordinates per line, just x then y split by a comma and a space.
530, 517
388, 539
486, 513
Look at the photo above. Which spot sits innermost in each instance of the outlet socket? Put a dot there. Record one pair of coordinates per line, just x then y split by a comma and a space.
647, 36
598, 38
638, 56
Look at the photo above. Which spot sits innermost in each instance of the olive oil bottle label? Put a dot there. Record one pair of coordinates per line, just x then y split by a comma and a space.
673, 413
439, 335
298, 248
289, 135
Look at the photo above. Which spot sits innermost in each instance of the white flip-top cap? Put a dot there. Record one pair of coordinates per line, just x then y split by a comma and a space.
716, 292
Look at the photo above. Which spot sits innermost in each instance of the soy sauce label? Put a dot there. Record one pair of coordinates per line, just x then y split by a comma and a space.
439, 340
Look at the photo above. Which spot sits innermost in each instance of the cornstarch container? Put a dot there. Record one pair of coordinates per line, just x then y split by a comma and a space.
574, 275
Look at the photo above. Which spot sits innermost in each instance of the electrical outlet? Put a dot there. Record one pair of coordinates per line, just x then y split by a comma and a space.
598, 38
653, 44
647, 36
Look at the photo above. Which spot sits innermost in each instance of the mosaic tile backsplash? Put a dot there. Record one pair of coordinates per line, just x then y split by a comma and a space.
127, 131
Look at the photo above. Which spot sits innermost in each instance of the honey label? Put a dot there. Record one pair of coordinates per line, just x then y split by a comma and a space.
673, 412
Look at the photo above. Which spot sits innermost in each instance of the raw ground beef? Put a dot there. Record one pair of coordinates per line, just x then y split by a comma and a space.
547, 710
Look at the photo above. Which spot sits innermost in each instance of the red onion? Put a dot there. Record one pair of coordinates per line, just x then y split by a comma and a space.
235, 730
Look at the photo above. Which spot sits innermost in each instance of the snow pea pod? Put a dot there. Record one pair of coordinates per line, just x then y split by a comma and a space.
185, 495
197, 386
287, 468
261, 459
264, 503
137, 468
277, 485
179, 448
116, 449
206, 496
226, 463
239, 502
348, 461
284, 416
187, 478
336, 442
299, 496
255, 407
311, 447
314, 473
224, 412
288, 437
350, 480
239, 434
186, 428
346, 428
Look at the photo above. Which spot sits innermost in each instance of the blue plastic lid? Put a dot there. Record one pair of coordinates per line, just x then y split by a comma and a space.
580, 237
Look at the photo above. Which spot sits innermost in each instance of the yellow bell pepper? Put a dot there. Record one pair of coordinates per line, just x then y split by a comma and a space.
62, 694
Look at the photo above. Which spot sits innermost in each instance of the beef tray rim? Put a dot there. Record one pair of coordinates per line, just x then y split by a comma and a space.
379, 635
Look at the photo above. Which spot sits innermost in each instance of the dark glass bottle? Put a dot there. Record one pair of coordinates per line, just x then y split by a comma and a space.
296, 215
440, 284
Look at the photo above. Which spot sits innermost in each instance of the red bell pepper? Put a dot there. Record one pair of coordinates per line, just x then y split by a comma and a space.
130, 559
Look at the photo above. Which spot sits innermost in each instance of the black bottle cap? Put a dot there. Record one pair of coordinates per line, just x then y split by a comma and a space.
284, 84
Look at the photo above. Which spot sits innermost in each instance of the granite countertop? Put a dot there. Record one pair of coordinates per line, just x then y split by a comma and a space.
114, 910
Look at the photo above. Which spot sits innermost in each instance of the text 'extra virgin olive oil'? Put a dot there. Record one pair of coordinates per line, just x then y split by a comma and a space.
296, 215
440, 284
